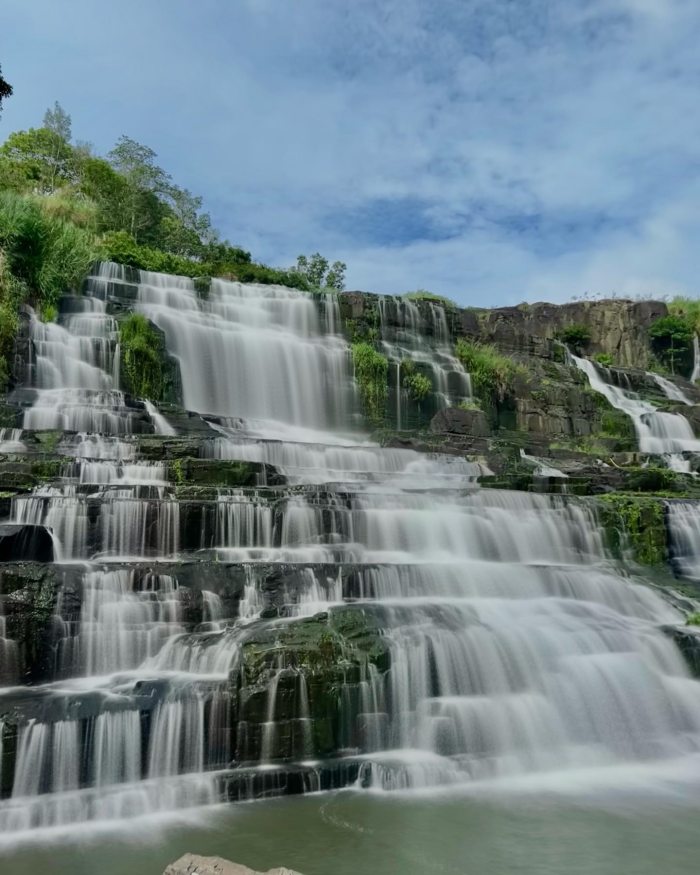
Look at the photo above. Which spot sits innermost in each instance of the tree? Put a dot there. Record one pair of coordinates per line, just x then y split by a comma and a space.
672, 338
335, 278
42, 160
58, 122
316, 270
147, 182
5, 89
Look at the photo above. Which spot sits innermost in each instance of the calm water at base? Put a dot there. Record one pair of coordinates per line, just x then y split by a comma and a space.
633, 828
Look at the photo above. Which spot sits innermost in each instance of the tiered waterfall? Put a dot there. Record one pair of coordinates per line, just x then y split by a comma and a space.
351, 615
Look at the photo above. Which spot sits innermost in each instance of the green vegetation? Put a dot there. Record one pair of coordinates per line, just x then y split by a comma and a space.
491, 373
143, 353
417, 385
636, 522
318, 274
425, 295
672, 340
371, 369
576, 336
5, 89
471, 404
689, 308
692, 620
616, 424
604, 359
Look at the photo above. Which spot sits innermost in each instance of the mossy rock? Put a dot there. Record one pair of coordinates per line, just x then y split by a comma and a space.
638, 523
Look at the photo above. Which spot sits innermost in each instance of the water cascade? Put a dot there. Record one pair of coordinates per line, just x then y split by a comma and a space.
418, 332
365, 615
658, 432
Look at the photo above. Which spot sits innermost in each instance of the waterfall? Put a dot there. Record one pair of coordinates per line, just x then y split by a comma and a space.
423, 337
496, 635
695, 376
658, 433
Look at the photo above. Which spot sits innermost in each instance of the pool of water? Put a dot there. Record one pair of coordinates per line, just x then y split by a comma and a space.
639, 822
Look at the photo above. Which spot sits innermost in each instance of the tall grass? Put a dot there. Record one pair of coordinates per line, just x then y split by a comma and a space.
43, 250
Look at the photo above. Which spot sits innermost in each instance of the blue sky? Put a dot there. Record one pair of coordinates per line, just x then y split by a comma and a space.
491, 150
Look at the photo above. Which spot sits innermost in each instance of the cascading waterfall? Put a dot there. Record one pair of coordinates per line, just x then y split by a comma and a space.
513, 644
423, 337
658, 432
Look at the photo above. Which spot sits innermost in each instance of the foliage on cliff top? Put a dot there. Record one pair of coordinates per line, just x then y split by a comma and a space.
371, 369
425, 295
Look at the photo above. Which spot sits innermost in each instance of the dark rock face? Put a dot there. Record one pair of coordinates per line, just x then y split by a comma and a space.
454, 420
22, 543
619, 328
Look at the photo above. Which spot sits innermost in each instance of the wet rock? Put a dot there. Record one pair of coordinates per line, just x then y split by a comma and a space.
193, 864
25, 543
455, 420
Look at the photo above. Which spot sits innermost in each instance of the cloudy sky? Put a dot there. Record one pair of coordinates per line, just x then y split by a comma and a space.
491, 150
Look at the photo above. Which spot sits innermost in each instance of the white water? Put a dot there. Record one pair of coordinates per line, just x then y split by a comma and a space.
658, 433
515, 647
695, 376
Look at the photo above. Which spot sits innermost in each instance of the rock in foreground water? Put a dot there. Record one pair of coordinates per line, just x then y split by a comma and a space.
192, 864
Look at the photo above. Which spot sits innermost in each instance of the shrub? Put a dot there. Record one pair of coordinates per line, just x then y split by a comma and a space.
122, 248
604, 359
491, 373
371, 369
418, 386
50, 255
576, 336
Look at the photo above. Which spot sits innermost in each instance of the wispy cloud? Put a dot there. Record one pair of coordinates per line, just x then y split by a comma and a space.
490, 150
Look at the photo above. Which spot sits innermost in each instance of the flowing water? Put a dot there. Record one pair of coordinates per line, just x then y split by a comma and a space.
517, 657
658, 432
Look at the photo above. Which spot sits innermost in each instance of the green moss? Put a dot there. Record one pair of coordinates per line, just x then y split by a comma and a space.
692, 620
604, 359
636, 522
143, 353
371, 370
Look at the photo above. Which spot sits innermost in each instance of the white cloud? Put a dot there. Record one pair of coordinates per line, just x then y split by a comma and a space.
552, 145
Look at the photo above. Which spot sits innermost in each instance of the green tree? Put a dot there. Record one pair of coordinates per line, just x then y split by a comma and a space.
58, 122
672, 338
5, 89
146, 184
42, 161
318, 273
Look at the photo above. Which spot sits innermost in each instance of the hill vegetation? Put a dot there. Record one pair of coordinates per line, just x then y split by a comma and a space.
63, 207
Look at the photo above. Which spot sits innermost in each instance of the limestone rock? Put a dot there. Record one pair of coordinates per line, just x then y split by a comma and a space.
193, 864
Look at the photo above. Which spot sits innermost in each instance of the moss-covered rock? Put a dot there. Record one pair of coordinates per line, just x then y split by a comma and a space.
635, 523
311, 670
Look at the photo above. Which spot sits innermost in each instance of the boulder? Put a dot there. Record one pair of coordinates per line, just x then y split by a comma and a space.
455, 420
193, 864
